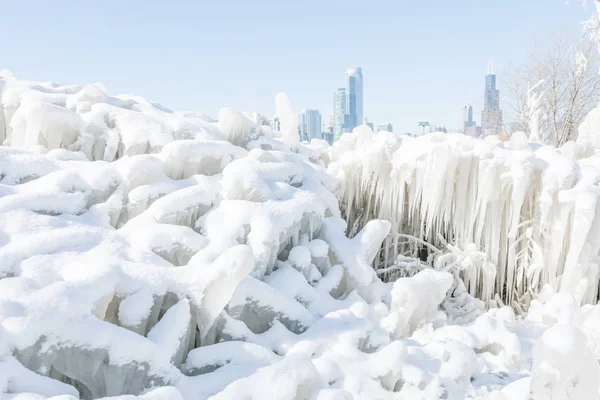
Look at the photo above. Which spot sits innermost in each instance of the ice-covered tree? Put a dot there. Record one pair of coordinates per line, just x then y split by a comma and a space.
565, 81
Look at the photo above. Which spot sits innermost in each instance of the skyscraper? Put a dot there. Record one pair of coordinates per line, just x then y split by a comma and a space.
354, 97
491, 117
339, 110
469, 126
309, 125
467, 115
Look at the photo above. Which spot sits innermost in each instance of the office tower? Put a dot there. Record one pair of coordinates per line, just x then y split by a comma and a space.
469, 126
491, 117
309, 125
467, 115
354, 97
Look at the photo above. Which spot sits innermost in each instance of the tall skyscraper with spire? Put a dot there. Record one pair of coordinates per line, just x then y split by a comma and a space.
491, 117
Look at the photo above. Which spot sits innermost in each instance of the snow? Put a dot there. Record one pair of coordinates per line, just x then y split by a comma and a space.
172, 331
356, 254
300, 257
15, 379
152, 254
318, 248
563, 366
291, 378
415, 299
135, 308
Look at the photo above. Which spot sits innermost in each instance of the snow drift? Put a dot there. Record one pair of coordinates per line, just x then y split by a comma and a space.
170, 256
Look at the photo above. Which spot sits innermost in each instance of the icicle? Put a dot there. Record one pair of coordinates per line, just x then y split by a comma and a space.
505, 199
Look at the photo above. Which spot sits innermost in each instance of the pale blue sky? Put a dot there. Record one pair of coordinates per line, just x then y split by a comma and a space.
421, 59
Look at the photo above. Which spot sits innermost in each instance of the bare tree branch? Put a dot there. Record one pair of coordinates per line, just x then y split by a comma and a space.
566, 86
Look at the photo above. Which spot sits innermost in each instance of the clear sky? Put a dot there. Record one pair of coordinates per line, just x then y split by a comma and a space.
421, 59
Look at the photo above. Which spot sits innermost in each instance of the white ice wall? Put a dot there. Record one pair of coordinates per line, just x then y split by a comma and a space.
532, 209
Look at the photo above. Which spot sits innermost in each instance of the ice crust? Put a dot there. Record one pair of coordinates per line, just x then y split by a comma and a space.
151, 254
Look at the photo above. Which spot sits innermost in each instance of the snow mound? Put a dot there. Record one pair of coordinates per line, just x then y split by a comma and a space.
151, 254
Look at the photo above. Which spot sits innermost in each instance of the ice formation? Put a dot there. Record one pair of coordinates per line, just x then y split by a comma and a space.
151, 254
531, 209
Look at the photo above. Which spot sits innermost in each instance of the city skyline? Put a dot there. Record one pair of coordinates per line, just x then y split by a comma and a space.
212, 66
348, 110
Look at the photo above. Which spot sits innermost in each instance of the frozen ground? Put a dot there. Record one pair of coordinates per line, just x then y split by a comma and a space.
169, 255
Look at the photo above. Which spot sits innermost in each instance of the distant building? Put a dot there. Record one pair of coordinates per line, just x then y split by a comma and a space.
468, 115
385, 128
309, 125
276, 123
491, 117
348, 104
328, 134
473, 130
349, 123
469, 126
369, 124
339, 112
354, 97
